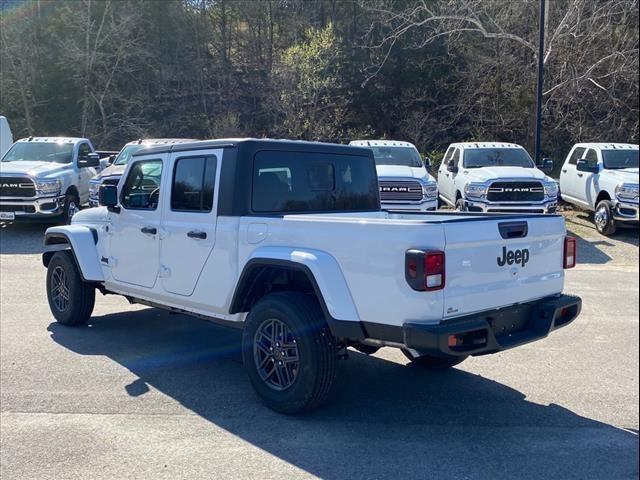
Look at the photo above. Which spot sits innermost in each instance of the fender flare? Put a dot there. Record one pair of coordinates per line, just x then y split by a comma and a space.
81, 240
324, 274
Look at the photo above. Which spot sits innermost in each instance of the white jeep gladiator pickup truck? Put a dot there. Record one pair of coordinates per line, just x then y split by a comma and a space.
603, 178
405, 183
495, 177
286, 240
46, 178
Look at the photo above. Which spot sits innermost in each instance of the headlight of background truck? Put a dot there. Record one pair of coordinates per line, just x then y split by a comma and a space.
551, 190
627, 192
475, 190
94, 187
48, 187
429, 190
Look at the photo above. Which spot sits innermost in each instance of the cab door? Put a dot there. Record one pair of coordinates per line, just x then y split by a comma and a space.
189, 219
84, 173
134, 241
589, 182
569, 179
450, 177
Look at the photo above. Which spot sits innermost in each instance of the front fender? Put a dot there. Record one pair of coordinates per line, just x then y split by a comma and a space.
81, 240
326, 272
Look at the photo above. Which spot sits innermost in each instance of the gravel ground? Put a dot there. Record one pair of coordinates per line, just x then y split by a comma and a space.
139, 393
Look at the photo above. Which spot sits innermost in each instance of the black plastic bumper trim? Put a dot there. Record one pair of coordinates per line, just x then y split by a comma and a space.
495, 330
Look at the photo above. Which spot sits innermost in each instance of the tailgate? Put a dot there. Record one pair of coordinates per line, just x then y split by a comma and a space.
494, 262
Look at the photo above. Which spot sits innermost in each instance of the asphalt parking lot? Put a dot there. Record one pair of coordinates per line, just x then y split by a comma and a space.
140, 393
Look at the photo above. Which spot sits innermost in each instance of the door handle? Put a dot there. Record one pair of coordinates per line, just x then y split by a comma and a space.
197, 234
149, 230
581, 174
564, 170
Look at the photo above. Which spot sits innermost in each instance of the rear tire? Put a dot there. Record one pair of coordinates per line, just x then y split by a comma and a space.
433, 363
603, 218
71, 299
289, 352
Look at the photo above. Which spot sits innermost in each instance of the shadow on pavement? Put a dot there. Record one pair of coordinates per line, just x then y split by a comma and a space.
384, 419
22, 238
588, 251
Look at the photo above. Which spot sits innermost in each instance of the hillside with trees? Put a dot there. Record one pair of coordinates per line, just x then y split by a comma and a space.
430, 72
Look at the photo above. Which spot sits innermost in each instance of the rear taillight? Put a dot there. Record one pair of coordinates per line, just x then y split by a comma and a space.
425, 270
570, 252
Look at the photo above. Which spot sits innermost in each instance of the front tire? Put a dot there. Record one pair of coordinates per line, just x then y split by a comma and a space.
603, 218
71, 207
431, 362
71, 299
289, 352
461, 205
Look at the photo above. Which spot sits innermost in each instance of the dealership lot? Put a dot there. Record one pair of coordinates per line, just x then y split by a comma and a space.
143, 394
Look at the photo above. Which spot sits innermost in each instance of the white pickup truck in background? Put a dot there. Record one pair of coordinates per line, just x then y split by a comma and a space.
404, 179
496, 177
47, 178
603, 178
286, 240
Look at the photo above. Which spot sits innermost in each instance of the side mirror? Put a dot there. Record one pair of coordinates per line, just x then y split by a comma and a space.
427, 162
108, 197
111, 159
452, 168
547, 165
584, 166
91, 160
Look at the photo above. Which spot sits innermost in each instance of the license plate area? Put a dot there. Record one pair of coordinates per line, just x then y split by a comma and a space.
510, 320
7, 216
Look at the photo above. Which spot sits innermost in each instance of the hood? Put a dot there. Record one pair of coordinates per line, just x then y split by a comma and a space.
91, 215
627, 175
113, 170
494, 173
403, 171
32, 168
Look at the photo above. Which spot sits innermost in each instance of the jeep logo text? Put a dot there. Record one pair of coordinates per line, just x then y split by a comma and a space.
509, 257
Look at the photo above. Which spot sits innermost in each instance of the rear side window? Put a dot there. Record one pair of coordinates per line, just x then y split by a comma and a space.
455, 158
141, 190
576, 155
313, 182
591, 157
447, 156
193, 184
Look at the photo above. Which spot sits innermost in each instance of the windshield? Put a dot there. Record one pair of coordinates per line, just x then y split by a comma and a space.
619, 159
40, 152
497, 157
125, 154
406, 156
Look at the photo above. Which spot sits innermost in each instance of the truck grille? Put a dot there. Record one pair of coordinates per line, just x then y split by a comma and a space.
516, 192
17, 187
409, 191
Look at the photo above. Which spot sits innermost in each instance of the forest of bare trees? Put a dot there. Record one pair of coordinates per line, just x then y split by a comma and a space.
430, 72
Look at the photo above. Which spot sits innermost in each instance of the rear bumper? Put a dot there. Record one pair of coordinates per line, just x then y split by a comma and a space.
625, 212
495, 330
487, 207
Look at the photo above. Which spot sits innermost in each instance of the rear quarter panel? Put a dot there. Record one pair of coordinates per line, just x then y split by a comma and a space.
370, 253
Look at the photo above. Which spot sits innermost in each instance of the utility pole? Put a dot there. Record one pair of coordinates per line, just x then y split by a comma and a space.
540, 80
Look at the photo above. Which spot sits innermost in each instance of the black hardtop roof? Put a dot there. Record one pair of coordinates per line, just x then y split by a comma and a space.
255, 144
